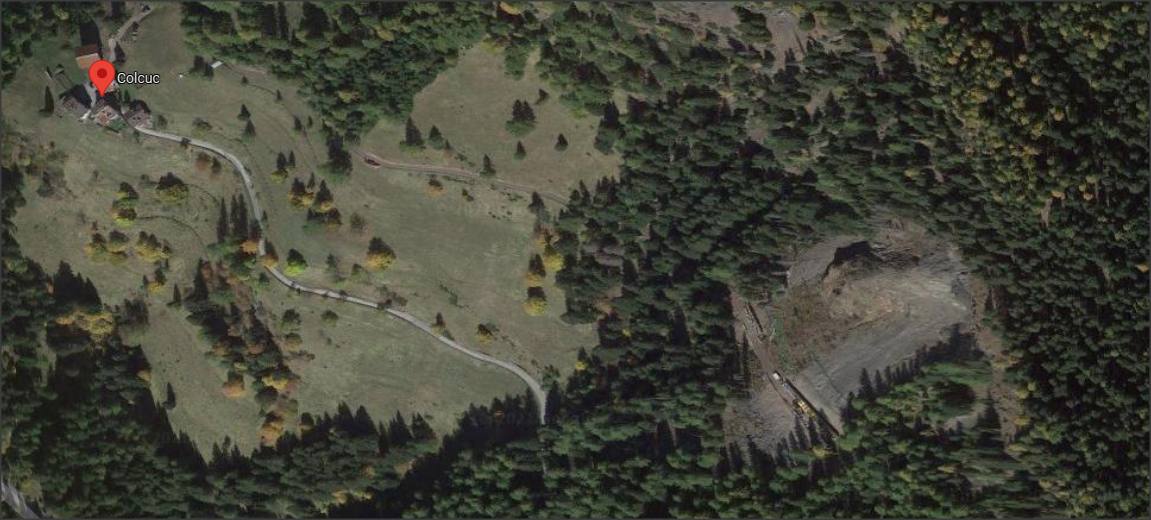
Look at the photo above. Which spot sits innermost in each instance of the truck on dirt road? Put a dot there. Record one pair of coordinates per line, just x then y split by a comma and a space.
798, 402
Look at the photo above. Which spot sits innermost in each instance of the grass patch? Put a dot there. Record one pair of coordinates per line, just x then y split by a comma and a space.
177, 357
470, 105
370, 359
464, 259
459, 255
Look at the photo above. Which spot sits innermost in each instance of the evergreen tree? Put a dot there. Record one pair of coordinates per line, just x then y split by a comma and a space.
49, 102
609, 129
339, 164
435, 139
523, 119
488, 170
413, 140
222, 223
282, 23
239, 218
170, 399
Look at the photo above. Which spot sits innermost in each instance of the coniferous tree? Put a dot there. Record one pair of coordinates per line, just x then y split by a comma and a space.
222, 223
170, 399
339, 164
239, 217
435, 139
282, 22
49, 102
609, 129
413, 140
523, 119
538, 208
488, 170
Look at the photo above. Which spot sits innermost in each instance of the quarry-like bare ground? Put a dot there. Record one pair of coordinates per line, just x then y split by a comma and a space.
852, 303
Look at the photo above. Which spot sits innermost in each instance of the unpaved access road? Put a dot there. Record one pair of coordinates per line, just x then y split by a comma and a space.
458, 173
114, 39
16, 500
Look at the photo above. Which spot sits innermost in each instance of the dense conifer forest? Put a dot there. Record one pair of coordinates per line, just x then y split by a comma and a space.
1017, 131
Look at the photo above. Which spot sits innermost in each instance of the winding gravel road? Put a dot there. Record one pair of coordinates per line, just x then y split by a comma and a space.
16, 500
254, 205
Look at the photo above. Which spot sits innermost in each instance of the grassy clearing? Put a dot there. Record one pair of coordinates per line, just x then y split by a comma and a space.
55, 229
177, 358
449, 249
462, 258
218, 101
369, 359
470, 104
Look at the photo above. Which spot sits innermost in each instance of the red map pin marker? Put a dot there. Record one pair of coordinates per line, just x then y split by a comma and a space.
102, 73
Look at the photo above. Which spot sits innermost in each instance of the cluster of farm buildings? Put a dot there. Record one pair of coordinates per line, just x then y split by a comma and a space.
84, 102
